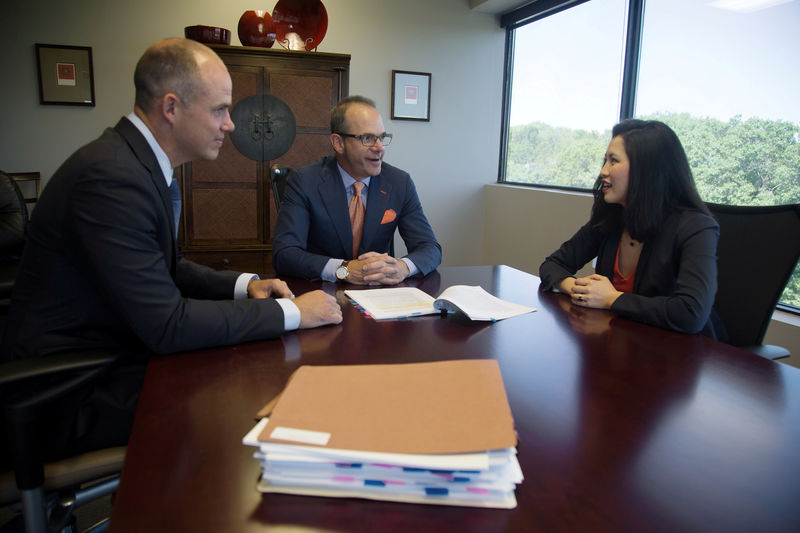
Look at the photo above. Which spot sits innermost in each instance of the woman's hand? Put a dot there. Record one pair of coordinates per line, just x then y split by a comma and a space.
566, 284
594, 291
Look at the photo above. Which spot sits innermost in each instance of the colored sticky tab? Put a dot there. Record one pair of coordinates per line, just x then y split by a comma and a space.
348, 465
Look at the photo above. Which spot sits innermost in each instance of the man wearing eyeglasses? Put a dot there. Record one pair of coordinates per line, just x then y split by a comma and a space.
327, 230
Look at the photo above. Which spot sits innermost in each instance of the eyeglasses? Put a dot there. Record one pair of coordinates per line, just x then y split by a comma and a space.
369, 139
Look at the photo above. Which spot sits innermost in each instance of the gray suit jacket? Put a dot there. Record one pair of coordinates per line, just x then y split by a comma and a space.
314, 223
101, 267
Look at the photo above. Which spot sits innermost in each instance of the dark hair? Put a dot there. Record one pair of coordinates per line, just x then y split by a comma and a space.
659, 181
340, 110
168, 66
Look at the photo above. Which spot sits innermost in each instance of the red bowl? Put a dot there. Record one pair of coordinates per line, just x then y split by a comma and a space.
208, 34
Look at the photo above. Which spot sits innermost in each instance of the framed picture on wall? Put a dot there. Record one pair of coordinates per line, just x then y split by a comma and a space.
411, 95
65, 75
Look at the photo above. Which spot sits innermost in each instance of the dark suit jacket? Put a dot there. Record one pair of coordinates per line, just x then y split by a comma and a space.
676, 277
101, 267
314, 222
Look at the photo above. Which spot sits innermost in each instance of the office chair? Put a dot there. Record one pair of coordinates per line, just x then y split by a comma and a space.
13, 226
757, 253
48, 493
277, 177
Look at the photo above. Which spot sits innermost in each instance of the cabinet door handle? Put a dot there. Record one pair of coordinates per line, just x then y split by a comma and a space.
226, 263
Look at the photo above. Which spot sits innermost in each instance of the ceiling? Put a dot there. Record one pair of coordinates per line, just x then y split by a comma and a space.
496, 7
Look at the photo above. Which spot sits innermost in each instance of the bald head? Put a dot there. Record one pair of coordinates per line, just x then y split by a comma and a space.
171, 66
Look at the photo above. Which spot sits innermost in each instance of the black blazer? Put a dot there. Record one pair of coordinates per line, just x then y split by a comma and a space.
101, 266
676, 277
313, 224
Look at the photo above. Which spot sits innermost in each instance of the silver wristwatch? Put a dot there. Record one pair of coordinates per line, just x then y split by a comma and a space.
342, 271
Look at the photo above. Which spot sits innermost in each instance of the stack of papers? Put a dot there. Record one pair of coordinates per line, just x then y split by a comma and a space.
403, 302
438, 433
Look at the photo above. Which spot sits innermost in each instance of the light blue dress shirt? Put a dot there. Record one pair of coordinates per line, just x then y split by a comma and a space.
329, 272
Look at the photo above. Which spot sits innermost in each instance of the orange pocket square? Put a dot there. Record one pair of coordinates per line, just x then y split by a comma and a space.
388, 216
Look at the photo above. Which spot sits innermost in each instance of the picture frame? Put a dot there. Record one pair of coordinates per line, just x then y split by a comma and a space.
411, 95
66, 76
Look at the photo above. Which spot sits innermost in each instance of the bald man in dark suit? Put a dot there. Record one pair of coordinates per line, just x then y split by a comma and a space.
101, 268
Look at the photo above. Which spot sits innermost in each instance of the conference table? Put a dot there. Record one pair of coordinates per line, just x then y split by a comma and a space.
621, 426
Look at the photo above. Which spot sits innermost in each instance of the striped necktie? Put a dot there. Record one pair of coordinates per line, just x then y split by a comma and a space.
357, 216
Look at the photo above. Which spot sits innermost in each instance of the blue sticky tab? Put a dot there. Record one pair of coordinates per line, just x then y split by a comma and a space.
374, 483
410, 469
435, 491
460, 479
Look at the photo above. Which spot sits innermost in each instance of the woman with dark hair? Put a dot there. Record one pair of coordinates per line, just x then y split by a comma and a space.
654, 239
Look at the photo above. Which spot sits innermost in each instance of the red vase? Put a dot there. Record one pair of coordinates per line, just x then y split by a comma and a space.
300, 24
256, 28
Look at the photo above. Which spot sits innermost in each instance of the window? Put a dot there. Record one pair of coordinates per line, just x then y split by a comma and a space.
722, 73
565, 94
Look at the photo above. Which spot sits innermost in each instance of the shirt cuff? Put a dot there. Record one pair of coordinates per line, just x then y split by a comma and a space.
240, 289
412, 268
291, 314
329, 272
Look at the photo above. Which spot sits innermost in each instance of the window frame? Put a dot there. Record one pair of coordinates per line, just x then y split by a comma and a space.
539, 9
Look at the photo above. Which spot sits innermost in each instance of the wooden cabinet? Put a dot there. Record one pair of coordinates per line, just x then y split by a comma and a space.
228, 212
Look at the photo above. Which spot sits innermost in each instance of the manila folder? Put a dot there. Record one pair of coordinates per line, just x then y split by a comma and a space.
416, 408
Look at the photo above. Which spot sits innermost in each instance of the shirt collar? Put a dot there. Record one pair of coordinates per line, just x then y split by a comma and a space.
348, 180
161, 155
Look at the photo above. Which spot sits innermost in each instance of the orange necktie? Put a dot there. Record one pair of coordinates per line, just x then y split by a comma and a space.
357, 216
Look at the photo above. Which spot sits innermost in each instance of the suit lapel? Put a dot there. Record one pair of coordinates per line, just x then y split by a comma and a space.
378, 201
145, 155
334, 198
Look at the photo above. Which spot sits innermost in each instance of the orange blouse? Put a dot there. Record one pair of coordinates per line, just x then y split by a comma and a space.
620, 282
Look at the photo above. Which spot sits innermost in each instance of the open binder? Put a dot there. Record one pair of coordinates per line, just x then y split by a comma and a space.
403, 302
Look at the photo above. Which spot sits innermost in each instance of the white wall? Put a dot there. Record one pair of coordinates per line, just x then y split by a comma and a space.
450, 158
523, 225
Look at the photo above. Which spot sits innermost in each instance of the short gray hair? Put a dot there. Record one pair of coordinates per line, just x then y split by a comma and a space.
169, 66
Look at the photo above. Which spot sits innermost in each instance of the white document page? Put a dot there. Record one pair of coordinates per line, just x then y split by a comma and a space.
478, 304
394, 302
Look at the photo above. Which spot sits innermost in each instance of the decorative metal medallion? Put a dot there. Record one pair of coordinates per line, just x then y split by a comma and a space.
265, 127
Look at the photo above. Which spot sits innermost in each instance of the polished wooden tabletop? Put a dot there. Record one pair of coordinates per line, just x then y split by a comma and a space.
622, 426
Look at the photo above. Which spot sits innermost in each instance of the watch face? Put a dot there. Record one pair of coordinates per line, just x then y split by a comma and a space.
342, 272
